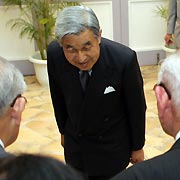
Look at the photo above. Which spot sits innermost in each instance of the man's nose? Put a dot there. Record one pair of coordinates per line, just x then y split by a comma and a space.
81, 57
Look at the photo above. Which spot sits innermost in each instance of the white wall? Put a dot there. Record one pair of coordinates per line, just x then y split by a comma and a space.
103, 10
146, 29
11, 46
14, 48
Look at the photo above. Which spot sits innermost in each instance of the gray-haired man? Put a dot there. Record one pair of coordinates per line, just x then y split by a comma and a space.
12, 104
102, 125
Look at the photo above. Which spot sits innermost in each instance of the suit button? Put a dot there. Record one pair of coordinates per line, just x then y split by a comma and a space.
100, 137
106, 119
80, 135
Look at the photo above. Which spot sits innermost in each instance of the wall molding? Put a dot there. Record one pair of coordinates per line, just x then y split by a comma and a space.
140, 1
150, 57
25, 66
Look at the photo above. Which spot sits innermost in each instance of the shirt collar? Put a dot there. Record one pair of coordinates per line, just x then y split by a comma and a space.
89, 72
1, 143
177, 136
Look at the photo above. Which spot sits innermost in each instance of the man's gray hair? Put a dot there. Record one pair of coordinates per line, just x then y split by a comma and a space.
11, 84
169, 75
74, 20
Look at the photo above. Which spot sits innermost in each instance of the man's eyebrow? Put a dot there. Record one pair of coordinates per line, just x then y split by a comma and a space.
69, 46
87, 43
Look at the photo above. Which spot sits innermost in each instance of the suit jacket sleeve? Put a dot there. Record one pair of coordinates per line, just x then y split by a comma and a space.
134, 102
55, 87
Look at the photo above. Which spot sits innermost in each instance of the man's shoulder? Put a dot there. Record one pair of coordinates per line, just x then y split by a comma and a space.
115, 44
117, 52
55, 52
54, 45
154, 168
116, 48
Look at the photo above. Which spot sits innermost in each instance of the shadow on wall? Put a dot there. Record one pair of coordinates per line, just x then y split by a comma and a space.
25, 66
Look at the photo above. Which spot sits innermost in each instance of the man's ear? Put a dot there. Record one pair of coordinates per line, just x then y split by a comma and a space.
163, 102
17, 109
100, 35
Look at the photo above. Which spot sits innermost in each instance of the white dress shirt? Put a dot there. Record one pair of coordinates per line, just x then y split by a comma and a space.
1, 143
177, 136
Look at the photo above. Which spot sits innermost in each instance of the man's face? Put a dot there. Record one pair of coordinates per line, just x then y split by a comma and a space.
82, 50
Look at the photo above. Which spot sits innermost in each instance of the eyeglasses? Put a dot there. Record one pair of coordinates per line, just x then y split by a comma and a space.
164, 87
18, 96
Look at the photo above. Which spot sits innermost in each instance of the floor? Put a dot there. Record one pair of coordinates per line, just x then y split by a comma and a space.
39, 133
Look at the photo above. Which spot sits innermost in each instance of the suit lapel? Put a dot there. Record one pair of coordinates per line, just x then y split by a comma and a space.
93, 97
72, 87
99, 78
176, 145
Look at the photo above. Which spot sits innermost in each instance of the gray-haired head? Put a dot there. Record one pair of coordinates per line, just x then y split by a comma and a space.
11, 84
74, 20
169, 75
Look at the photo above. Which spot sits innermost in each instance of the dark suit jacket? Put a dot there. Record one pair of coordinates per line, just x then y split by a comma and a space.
103, 128
163, 167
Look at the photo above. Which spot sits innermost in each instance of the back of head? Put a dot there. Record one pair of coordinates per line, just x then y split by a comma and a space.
169, 75
35, 167
74, 20
11, 84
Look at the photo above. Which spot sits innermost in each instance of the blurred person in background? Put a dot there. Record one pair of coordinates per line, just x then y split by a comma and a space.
173, 23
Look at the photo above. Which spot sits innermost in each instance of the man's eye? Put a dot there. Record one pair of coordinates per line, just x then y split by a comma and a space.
71, 50
87, 48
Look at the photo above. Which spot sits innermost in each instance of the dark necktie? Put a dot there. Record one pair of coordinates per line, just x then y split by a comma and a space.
84, 78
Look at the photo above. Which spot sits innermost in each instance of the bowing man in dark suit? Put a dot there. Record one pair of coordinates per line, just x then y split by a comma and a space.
167, 91
12, 104
103, 127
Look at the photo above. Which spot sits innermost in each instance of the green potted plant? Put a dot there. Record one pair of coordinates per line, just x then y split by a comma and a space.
36, 22
162, 11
